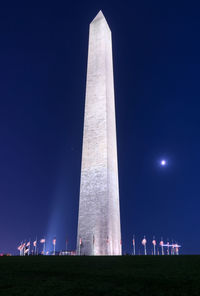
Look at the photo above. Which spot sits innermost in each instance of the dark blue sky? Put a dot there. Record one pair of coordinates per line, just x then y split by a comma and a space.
43, 58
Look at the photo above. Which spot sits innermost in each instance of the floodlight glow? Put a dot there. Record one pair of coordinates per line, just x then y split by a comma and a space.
163, 162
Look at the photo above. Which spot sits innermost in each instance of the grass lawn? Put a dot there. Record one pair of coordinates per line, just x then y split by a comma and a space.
126, 275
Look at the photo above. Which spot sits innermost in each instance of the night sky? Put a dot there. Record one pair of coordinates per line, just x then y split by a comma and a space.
43, 59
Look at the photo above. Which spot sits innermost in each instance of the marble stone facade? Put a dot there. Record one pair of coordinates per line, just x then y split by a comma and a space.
99, 230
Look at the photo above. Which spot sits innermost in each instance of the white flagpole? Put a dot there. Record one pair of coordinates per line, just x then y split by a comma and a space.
93, 242
24, 248
144, 241
161, 244
80, 242
29, 247
154, 245
66, 246
36, 246
54, 246
134, 245
172, 249
44, 247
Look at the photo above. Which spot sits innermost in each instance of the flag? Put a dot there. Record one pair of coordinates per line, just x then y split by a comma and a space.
26, 250
133, 241
20, 247
34, 243
154, 242
42, 240
80, 241
144, 241
54, 241
28, 244
161, 243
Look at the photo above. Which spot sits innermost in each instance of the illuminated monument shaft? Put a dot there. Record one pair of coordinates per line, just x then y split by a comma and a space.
99, 230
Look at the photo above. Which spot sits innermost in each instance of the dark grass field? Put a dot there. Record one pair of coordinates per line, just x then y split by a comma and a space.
127, 275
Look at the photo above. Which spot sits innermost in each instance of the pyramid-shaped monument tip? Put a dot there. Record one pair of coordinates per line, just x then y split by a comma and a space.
99, 16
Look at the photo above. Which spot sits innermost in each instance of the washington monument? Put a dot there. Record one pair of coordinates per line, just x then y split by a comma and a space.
99, 231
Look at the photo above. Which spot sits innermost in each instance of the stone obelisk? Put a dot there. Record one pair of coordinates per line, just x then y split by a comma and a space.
99, 231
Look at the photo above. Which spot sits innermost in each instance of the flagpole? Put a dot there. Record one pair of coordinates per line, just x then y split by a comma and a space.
29, 247
36, 246
44, 247
134, 245
172, 249
167, 246
22, 252
93, 244
80, 242
144, 241
54, 246
107, 243
161, 244
66, 246
23, 248
154, 245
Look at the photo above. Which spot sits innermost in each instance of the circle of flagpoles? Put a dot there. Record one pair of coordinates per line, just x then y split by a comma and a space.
27, 248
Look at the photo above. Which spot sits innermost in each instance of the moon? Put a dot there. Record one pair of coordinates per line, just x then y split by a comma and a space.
163, 162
